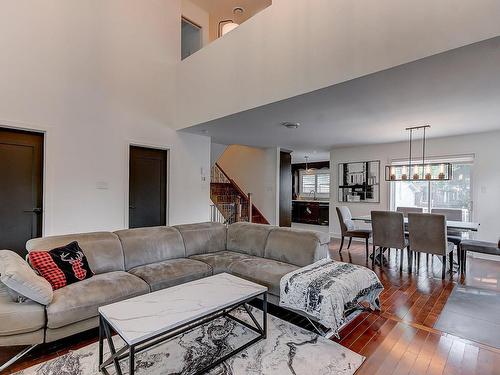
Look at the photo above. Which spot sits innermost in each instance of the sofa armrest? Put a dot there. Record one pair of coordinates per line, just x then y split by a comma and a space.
25, 321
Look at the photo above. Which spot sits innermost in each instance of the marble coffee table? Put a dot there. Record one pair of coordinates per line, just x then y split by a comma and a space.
147, 320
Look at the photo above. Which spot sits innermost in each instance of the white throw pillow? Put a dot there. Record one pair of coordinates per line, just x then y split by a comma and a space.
17, 275
8, 294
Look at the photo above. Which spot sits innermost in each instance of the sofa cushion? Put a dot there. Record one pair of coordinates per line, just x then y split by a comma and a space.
61, 266
297, 247
203, 238
248, 238
102, 249
222, 260
17, 318
171, 272
17, 275
81, 300
265, 272
150, 245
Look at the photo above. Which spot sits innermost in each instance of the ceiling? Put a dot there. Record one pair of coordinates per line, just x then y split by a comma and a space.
299, 156
225, 7
456, 92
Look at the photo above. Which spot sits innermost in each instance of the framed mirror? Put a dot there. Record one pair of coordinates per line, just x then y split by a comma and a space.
359, 182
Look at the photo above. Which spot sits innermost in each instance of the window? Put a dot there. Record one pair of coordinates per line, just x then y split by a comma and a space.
191, 38
317, 182
455, 194
323, 183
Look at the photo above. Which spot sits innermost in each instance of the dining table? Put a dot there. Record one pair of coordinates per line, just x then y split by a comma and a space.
465, 226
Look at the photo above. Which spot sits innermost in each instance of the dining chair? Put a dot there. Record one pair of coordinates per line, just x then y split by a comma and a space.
428, 235
406, 210
348, 229
453, 214
389, 233
455, 236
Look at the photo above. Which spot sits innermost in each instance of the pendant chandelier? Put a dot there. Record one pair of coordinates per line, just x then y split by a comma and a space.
307, 167
415, 170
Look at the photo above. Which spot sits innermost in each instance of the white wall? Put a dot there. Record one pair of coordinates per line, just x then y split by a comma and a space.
95, 76
199, 16
485, 176
255, 171
297, 46
216, 151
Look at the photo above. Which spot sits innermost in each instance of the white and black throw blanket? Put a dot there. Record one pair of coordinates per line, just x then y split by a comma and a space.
327, 289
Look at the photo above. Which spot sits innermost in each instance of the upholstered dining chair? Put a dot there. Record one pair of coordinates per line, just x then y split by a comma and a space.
450, 213
389, 233
455, 236
428, 235
453, 215
406, 210
348, 229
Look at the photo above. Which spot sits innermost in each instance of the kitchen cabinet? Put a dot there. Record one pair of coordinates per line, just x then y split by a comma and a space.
310, 212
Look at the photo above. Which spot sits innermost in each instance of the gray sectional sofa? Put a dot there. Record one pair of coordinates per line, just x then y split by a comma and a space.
132, 262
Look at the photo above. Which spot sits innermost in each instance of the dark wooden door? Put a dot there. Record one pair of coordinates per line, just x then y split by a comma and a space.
286, 182
147, 187
21, 184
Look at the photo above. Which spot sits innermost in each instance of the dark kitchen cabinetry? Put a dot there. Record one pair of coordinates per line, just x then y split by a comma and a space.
310, 212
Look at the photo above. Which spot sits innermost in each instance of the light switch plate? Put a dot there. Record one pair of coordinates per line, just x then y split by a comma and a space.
102, 185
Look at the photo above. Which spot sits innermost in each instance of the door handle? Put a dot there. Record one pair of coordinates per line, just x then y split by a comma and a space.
36, 210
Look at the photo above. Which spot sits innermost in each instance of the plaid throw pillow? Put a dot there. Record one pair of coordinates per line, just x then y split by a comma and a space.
61, 266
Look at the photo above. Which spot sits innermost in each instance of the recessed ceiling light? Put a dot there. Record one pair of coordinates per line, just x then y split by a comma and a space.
290, 125
238, 10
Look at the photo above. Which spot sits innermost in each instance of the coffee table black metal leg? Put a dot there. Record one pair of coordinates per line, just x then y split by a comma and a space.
112, 347
101, 343
264, 315
131, 360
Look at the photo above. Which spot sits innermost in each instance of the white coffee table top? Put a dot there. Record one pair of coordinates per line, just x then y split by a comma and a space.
143, 317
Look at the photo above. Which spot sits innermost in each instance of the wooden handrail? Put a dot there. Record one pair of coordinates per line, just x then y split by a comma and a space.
245, 196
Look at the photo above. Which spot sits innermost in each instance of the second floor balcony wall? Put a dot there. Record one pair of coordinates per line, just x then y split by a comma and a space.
298, 46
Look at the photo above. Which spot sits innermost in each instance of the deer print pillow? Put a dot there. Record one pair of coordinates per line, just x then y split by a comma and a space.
61, 266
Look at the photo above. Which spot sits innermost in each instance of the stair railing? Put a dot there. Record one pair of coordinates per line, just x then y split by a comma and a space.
249, 207
225, 213
234, 207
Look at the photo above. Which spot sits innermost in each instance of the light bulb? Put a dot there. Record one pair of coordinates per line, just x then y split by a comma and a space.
441, 172
416, 175
428, 174
404, 173
392, 174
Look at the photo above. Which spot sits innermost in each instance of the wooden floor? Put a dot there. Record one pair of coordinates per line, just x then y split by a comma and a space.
400, 339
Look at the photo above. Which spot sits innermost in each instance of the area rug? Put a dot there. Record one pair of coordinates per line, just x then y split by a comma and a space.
288, 349
472, 314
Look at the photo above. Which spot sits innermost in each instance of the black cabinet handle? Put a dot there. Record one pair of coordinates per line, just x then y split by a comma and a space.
36, 210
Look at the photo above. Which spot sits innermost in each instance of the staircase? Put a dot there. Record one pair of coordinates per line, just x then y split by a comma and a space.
230, 203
